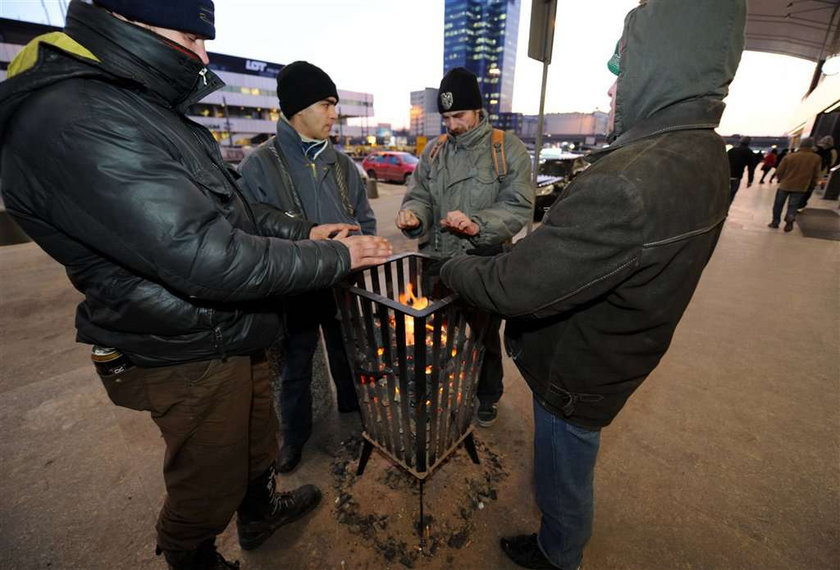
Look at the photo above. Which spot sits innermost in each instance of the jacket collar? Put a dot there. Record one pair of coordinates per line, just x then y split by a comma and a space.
288, 139
165, 70
474, 137
702, 113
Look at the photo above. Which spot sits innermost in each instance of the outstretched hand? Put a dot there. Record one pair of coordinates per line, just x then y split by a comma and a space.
326, 231
407, 220
365, 250
458, 222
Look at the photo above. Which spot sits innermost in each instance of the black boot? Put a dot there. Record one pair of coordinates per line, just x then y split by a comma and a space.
263, 510
205, 557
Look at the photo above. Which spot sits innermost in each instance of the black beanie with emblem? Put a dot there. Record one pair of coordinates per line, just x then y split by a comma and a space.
188, 16
459, 91
300, 84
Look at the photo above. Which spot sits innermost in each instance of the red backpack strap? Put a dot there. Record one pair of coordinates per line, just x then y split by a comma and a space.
499, 159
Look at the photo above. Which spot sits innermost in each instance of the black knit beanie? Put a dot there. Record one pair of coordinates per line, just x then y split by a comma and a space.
189, 16
301, 84
459, 91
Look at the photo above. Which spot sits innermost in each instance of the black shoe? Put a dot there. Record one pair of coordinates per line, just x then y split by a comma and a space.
524, 551
486, 415
288, 458
774, 225
789, 225
285, 508
205, 557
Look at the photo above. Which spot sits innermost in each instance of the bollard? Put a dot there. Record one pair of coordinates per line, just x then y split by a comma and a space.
372, 190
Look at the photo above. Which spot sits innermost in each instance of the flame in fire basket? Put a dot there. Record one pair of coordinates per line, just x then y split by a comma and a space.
408, 298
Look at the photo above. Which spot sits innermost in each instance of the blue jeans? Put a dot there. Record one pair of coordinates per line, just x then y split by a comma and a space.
564, 469
793, 200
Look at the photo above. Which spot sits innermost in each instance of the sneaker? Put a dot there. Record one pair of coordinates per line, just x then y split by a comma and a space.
525, 551
789, 225
486, 415
285, 508
774, 225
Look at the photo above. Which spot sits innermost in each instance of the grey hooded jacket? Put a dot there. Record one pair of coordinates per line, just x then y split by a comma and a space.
594, 295
462, 177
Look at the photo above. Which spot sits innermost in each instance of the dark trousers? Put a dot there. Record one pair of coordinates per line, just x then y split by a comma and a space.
490, 387
220, 432
734, 183
564, 474
793, 199
305, 318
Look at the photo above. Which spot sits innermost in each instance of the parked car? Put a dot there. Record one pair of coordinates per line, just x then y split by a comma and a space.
390, 165
556, 171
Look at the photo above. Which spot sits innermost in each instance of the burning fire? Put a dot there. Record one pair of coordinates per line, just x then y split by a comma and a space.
408, 298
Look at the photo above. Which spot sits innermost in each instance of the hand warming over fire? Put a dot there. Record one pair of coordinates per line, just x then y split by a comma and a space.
458, 222
365, 250
326, 231
407, 220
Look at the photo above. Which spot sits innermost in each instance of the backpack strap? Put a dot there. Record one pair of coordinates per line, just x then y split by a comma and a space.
437, 146
499, 159
283, 166
343, 182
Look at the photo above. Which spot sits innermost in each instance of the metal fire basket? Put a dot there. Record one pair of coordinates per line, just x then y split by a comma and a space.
416, 353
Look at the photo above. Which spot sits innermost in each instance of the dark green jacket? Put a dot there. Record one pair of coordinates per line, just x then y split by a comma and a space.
594, 295
102, 169
462, 177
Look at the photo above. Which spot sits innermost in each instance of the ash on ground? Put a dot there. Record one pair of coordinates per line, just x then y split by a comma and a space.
382, 506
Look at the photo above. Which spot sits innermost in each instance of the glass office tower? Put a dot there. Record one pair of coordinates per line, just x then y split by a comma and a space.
481, 36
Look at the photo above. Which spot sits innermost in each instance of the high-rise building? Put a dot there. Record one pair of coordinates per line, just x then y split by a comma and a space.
481, 35
425, 119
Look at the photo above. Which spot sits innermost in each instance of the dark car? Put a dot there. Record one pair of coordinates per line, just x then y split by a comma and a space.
390, 165
556, 171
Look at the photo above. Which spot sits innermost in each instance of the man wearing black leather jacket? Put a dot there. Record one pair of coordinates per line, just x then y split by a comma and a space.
102, 169
594, 295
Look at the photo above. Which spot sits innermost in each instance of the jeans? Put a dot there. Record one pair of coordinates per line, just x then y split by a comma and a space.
564, 471
793, 200
304, 319
220, 430
490, 387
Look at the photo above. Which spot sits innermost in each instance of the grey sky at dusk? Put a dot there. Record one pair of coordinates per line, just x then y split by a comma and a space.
392, 47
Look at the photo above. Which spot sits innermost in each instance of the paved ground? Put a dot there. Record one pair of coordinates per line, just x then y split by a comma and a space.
726, 458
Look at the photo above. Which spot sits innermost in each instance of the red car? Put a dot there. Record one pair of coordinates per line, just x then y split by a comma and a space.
390, 165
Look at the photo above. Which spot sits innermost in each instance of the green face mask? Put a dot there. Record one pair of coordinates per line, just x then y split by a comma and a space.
614, 64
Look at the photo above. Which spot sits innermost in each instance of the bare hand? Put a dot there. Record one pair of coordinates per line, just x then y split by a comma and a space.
407, 220
326, 231
366, 250
458, 222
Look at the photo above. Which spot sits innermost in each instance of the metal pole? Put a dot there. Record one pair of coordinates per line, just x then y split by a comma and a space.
539, 141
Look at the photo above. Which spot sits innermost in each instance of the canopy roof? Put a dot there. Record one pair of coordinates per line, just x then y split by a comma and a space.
809, 29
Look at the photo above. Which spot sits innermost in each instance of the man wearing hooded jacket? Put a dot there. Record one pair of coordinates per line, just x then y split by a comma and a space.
101, 167
593, 296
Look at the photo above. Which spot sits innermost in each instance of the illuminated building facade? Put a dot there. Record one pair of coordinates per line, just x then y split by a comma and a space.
481, 36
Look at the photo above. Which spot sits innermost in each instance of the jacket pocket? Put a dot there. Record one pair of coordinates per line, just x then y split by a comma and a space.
483, 192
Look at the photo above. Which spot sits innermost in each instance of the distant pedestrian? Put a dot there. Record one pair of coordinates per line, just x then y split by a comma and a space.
769, 163
829, 159
797, 174
741, 158
782, 154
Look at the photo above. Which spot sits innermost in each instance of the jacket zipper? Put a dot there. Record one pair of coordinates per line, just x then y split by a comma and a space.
203, 74
218, 339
